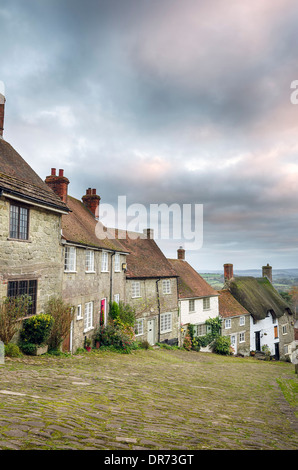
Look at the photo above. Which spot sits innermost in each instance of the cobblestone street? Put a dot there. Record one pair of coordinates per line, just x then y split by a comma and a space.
148, 400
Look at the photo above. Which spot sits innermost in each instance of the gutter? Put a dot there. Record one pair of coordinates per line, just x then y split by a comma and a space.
111, 279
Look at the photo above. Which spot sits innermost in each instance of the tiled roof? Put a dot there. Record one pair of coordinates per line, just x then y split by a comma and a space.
229, 306
145, 259
80, 226
190, 283
17, 178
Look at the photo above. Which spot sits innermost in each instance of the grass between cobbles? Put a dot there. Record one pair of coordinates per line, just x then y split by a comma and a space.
149, 399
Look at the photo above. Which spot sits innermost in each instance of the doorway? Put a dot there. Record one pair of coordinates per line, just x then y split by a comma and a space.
151, 332
258, 340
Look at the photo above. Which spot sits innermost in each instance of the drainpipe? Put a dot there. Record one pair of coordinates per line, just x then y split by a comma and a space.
158, 306
111, 280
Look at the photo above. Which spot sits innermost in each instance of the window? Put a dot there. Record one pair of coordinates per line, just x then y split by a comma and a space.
117, 262
191, 305
275, 332
79, 312
165, 322
89, 261
19, 218
202, 329
136, 289
117, 298
104, 261
139, 327
18, 288
70, 258
241, 337
88, 318
206, 303
166, 286
284, 329
242, 321
228, 323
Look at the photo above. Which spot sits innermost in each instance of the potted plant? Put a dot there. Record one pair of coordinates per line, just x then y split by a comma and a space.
87, 344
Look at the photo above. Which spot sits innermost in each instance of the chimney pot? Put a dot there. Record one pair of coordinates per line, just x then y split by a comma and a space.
149, 232
181, 253
58, 184
91, 200
53, 172
61, 172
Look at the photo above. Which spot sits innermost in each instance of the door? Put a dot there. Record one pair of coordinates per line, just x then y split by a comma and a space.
103, 317
151, 332
258, 341
234, 343
276, 346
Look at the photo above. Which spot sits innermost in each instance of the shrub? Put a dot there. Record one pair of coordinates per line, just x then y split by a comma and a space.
187, 343
62, 314
221, 345
12, 350
12, 309
118, 335
36, 329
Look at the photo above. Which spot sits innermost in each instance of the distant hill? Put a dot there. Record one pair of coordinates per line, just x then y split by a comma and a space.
282, 279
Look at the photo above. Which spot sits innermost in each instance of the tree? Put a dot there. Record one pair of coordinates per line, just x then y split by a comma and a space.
12, 309
62, 314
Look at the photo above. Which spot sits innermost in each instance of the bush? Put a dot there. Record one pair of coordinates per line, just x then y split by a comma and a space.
62, 313
221, 345
12, 309
12, 350
187, 343
118, 335
36, 329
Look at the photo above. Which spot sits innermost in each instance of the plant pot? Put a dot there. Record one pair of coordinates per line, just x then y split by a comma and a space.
41, 350
88, 348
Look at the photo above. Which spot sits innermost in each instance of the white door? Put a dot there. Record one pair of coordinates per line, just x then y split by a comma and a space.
150, 332
234, 343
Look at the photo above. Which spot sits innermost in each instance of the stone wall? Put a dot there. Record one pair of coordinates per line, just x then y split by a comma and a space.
81, 287
39, 257
241, 347
150, 306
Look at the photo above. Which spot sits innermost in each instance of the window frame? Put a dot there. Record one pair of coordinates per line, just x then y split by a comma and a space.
19, 290
242, 337
139, 327
117, 298
12, 218
79, 312
166, 286
117, 263
104, 262
242, 320
192, 303
228, 323
67, 259
89, 261
206, 300
135, 286
88, 316
166, 325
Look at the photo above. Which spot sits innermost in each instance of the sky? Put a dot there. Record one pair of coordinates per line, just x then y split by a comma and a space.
165, 102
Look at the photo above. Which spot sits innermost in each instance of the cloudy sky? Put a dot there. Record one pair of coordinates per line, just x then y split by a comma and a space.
165, 102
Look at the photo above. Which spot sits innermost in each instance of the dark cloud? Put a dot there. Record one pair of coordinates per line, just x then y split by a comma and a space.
164, 102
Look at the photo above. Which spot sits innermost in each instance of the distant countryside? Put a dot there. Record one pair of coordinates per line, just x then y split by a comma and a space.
283, 279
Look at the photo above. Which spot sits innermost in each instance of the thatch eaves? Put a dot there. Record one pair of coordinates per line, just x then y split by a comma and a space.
258, 296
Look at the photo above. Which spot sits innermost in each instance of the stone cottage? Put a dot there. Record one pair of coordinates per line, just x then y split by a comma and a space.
271, 318
31, 217
93, 268
235, 322
151, 288
198, 301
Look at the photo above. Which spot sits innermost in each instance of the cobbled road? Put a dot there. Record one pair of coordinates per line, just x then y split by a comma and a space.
148, 400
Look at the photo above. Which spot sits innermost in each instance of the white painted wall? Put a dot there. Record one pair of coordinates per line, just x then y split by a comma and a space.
266, 328
199, 315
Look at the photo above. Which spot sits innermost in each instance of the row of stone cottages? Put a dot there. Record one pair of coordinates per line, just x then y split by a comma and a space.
49, 247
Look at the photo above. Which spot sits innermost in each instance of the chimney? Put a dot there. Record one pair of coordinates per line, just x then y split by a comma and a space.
58, 183
228, 272
267, 272
181, 253
149, 233
91, 200
2, 106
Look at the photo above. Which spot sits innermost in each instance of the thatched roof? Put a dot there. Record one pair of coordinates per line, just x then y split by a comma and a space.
258, 296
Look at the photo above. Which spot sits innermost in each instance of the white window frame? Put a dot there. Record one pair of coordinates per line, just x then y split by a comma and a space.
228, 323
284, 329
117, 262
104, 262
206, 303
166, 322
166, 286
242, 337
70, 259
79, 312
191, 305
135, 289
88, 316
89, 261
242, 320
139, 327
117, 298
